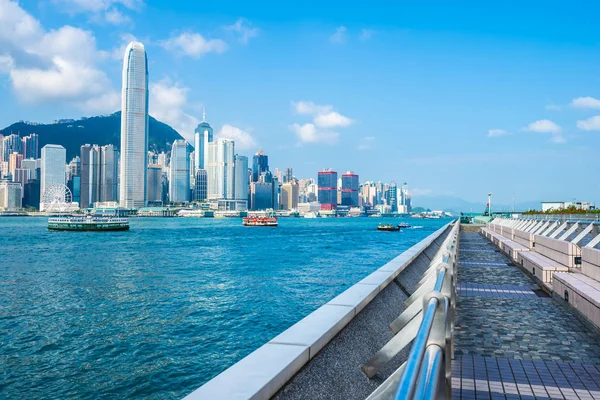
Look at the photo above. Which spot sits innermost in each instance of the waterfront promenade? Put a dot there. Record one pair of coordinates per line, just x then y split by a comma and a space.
511, 339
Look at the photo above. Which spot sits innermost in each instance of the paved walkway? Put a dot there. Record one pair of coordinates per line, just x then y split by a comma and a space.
511, 340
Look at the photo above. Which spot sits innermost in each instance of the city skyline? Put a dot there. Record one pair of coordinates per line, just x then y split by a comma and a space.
431, 97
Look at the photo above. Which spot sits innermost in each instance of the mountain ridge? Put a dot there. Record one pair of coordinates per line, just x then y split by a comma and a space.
100, 130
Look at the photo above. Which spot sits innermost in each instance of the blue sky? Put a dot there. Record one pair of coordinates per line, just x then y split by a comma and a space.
456, 98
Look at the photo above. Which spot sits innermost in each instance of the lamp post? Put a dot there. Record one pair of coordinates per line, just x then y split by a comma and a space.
490, 203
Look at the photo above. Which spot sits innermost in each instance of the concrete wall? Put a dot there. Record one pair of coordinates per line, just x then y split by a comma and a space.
558, 250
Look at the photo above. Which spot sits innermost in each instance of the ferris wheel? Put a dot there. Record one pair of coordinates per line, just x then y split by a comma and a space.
57, 198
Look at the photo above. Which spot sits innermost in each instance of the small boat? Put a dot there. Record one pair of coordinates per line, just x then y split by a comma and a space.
88, 223
260, 221
403, 225
387, 228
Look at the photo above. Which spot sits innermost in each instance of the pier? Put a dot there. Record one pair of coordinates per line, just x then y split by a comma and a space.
504, 311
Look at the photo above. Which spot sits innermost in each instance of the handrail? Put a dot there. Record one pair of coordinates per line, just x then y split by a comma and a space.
432, 348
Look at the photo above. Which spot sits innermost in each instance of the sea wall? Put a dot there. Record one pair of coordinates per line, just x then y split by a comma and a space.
320, 356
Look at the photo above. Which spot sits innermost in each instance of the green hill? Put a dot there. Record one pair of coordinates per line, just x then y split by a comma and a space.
100, 130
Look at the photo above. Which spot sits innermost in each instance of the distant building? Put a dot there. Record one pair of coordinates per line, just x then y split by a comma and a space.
200, 191
288, 175
260, 165
261, 195
221, 170
557, 205
99, 174
14, 162
179, 177
241, 178
154, 184
134, 127
22, 176
391, 196
8, 145
289, 197
350, 189
327, 182
203, 135
29, 146
30, 164
10, 196
31, 195
54, 159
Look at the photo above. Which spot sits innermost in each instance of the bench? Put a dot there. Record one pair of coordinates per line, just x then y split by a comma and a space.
540, 267
560, 251
523, 238
512, 248
590, 262
581, 292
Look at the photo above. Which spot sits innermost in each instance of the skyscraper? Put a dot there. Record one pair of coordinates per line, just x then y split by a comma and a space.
288, 175
179, 173
241, 178
290, 192
90, 175
14, 162
154, 184
10, 144
221, 170
327, 181
109, 173
54, 159
350, 189
260, 164
200, 186
134, 127
203, 135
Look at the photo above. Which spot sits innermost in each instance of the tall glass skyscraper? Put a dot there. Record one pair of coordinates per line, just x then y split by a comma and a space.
260, 164
221, 167
202, 137
54, 160
179, 177
134, 127
241, 178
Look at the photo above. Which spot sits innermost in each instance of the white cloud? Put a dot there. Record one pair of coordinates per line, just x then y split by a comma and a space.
332, 120
194, 44
105, 103
366, 34
324, 118
167, 103
547, 126
49, 66
243, 140
101, 10
497, 132
308, 133
543, 126
590, 124
310, 108
119, 52
243, 29
339, 37
585, 102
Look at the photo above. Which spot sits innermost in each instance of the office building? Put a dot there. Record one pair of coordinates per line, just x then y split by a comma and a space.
349, 189
99, 174
260, 165
203, 135
261, 195
289, 197
391, 196
109, 174
90, 175
200, 191
154, 184
54, 159
179, 173
30, 164
327, 182
134, 127
74, 167
221, 170
241, 178
11, 196
31, 194
288, 175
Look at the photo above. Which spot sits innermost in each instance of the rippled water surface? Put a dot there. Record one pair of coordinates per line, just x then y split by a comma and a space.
157, 311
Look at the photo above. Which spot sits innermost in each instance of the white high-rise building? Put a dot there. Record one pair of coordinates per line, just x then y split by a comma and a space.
134, 127
202, 137
179, 173
54, 159
221, 170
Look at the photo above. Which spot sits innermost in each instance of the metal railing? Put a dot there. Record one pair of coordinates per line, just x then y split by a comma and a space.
426, 374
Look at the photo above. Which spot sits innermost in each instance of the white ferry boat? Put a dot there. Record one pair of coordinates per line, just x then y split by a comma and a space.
88, 223
260, 221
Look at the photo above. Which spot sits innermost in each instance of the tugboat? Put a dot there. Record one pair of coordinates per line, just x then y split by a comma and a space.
388, 228
88, 223
259, 221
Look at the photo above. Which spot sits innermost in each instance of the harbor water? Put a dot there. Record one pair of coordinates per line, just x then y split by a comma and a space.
157, 311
